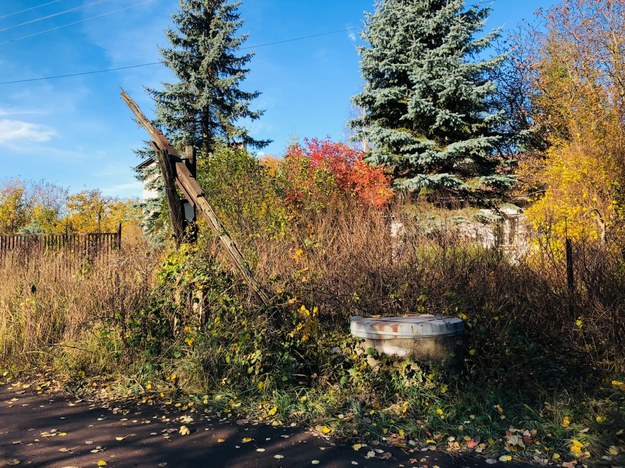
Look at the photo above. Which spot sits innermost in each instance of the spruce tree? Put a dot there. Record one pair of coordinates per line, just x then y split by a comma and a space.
206, 105
427, 100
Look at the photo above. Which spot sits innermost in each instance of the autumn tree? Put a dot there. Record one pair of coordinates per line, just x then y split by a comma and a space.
12, 207
46, 206
578, 100
90, 211
206, 104
427, 97
31, 206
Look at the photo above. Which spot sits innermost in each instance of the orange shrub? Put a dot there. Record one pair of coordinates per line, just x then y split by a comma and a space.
322, 169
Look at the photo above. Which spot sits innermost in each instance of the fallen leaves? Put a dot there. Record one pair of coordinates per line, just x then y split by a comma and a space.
325, 430
514, 442
184, 431
528, 436
576, 448
378, 453
619, 385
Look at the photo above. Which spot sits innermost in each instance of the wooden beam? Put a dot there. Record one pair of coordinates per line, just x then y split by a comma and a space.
195, 195
191, 159
155, 133
176, 214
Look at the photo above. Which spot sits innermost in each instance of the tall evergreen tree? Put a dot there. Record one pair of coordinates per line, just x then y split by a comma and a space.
427, 112
206, 105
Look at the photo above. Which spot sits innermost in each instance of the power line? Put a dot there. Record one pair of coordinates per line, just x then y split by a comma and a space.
27, 36
15, 13
70, 75
53, 15
150, 64
300, 38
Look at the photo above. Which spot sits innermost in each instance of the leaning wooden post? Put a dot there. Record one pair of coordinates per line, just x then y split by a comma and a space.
176, 214
194, 193
191, 159
191, 162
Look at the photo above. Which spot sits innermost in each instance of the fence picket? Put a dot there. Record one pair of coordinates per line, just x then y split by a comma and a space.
87, 246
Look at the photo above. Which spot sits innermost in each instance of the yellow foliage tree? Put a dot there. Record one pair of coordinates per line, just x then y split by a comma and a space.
579, 102
90, 211
31, 207
45, 208
12, 207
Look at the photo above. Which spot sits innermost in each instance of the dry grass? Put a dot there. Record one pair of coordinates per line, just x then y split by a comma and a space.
345, 262
52, 300
526, 352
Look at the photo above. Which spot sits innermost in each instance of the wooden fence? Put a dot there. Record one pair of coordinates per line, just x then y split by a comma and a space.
79, 246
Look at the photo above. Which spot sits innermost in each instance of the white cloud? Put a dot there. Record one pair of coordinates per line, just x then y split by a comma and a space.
124, 190
6, 112
17, 130
352, 36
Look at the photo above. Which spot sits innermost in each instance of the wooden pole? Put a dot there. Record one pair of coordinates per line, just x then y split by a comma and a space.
194, 193
570, 277
118, 245
191, 160
176, 214
190, 224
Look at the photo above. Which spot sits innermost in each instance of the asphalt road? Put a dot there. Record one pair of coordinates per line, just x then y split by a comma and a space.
54, 430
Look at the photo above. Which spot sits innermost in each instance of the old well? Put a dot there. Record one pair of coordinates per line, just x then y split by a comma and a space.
424, 337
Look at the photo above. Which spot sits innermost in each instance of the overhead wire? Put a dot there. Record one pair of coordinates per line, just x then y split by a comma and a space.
299, 38
39, 33
70, 75
25, 10
54, 15
149, 64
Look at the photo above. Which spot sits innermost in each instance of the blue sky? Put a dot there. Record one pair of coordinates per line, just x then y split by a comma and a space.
76, 132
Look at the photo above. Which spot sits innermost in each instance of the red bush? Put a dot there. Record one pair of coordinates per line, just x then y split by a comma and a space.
322, 169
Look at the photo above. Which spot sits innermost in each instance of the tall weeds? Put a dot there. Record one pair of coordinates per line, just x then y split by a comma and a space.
185, 321
52, 302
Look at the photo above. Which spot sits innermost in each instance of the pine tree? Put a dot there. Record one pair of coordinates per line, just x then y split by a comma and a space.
206, 105
427, 99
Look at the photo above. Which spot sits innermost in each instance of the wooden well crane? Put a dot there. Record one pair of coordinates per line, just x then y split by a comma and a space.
177, 173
